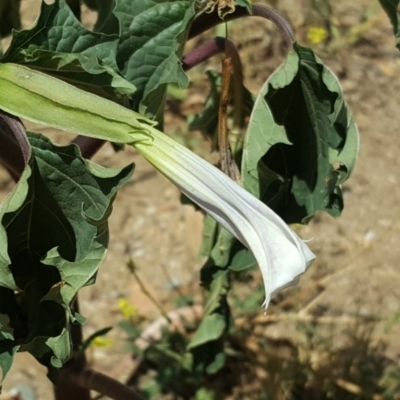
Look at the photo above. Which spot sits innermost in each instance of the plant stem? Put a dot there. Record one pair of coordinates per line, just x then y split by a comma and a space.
69, 387
88, 146
132, 269
15, 149
209, 49
205, 22
101, 383
228, 165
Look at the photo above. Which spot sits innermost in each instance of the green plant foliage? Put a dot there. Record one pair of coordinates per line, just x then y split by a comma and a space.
83, 57
300, 145
54, 236
304, 139
124, 60
106, 20
207, 120
391, 9
244, 3
153, 33
206, 346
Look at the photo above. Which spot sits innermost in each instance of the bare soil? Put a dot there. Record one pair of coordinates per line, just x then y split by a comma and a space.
356, 273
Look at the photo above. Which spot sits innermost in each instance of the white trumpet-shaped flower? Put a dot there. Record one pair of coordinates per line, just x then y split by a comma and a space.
281, 255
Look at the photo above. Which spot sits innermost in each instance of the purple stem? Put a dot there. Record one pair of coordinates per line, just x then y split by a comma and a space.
201, 24
207, 21
105, 385
204, 52
15, 149
211, 48
88, 146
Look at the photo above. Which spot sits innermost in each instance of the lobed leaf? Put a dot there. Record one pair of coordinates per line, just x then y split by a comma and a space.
301, 142
391, 9
206, 346
152, 37
137, 53
58, 43
54, 237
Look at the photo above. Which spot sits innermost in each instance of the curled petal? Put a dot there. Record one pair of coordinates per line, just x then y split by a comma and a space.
281, 255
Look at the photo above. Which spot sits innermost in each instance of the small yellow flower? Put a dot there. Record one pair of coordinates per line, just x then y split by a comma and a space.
316, 34
101, 341
126, 309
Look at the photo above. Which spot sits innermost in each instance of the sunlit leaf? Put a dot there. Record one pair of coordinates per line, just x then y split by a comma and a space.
58, 43
54, 226
301, 143
153, 34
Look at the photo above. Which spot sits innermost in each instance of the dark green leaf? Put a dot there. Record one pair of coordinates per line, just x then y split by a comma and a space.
301, 143
153, 34
106, 20
206, 345
58, 43
391, 9
244, 3
221, 252
242, 259
210, 230
54, 236
8, 347
9, 16
207, 121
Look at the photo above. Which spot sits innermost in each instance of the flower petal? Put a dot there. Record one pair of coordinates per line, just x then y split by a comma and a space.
282, 256
280, 253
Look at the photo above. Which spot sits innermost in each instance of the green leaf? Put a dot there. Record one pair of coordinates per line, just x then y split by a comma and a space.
207, 121
301, 143
153, 34
8, 347
9, 16
106, 21
205, 394
212, 327
220, 254
206, 346
58, 43
242, 259
208, 358
262, 134
209, 235
54, 237
391, 7
244, 3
